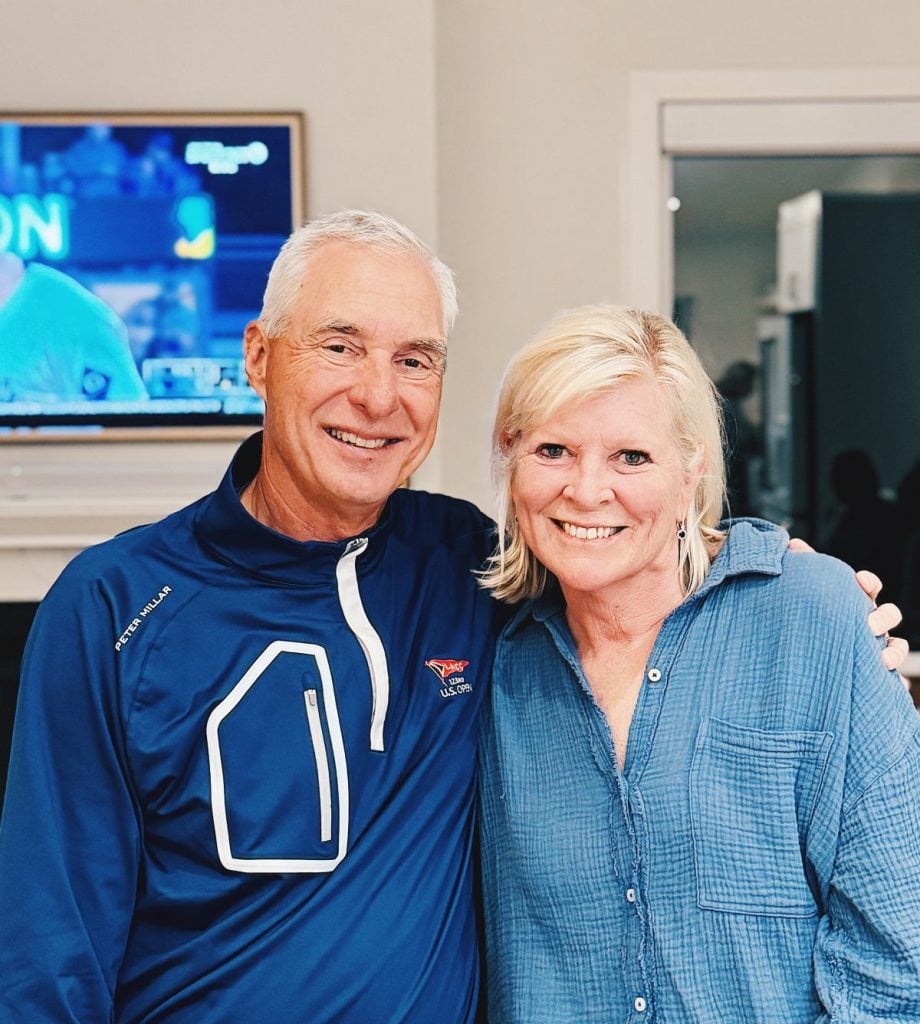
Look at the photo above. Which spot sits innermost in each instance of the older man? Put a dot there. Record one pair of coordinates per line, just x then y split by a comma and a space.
242, 784
242, 787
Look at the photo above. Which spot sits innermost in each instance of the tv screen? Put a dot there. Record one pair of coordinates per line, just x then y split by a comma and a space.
133, 251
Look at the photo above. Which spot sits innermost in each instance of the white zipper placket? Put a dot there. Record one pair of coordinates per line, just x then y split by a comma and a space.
346, 575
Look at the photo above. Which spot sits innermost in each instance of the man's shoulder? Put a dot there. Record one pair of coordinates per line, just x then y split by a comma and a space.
170, 536
436, 519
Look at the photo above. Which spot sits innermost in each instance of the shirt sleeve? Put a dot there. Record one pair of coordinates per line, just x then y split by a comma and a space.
867, 957
70, 836
98, 360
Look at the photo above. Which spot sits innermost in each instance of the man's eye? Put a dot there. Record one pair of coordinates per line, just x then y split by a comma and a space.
551, 451
340, 351
415, 366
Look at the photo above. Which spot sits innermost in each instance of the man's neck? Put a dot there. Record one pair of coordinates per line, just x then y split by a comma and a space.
269, 506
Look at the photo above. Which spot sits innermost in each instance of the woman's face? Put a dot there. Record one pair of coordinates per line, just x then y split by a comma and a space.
599, 490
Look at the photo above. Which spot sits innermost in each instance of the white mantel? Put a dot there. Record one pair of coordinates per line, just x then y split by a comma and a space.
59, 496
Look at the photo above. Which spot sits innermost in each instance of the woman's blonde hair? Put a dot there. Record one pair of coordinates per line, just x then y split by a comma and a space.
583, 353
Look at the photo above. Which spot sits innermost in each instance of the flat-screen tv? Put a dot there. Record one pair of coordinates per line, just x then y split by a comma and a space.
133, 251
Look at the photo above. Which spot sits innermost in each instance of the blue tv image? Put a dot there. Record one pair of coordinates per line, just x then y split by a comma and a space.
133, 251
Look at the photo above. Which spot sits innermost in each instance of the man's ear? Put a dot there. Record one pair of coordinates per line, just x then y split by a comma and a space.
255, 356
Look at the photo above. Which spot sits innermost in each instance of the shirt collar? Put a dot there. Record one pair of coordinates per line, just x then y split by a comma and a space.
753, 547
225, 527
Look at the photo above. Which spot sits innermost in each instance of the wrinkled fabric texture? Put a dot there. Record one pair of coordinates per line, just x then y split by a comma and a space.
757, 860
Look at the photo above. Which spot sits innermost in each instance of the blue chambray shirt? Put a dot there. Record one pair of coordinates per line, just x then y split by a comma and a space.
758, 860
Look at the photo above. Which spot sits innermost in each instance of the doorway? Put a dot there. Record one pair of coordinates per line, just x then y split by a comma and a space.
736, 134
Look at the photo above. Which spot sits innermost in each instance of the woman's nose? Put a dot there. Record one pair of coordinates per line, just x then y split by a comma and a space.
590, 484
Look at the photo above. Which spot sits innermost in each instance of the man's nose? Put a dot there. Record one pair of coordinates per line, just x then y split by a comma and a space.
376, 389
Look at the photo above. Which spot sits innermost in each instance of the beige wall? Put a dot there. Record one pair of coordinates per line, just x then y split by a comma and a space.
532, 142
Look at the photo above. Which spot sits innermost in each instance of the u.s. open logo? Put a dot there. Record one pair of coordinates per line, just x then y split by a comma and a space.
450, 673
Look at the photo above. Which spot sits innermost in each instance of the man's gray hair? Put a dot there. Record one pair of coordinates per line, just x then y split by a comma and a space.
360, 227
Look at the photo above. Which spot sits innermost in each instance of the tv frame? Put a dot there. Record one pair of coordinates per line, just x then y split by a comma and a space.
156, 426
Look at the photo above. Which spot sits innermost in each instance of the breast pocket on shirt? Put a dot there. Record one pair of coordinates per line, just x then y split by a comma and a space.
278, 769
752, 797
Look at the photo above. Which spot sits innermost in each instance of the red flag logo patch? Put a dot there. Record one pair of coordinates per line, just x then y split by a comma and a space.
444, 668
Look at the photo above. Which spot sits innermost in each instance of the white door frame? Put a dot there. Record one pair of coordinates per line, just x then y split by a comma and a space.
745, 113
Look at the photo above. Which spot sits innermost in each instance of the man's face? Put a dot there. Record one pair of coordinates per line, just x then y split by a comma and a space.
351, 390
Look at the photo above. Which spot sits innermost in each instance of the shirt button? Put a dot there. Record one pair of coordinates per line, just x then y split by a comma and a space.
630, 895
640, 1004
654, 674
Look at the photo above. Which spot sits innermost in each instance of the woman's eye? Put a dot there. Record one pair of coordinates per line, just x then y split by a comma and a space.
551, 451
634, 458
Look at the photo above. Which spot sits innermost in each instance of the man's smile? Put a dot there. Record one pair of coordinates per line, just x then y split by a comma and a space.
356, 441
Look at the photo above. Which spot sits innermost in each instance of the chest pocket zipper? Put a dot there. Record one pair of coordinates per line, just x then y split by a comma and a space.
346, 575
322, 766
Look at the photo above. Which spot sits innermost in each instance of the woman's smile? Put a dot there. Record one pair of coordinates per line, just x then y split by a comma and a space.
588, 532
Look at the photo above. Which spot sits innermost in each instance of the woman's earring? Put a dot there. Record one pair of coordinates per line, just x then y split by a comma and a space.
682, 530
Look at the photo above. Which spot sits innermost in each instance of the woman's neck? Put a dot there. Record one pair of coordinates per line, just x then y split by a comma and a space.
628, 614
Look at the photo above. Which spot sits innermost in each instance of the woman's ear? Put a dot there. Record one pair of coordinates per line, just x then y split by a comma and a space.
506, 441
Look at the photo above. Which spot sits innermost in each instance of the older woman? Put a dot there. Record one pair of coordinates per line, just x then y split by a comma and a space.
701, 789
